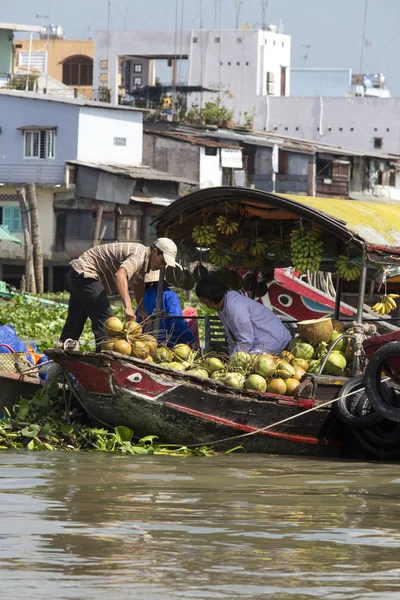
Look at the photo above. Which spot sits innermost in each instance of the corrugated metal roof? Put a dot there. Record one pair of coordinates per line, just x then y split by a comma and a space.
19, 27
66, 100
268, 139
134, 171
191, 139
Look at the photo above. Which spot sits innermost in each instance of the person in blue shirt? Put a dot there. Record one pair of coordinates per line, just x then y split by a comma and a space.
175, 331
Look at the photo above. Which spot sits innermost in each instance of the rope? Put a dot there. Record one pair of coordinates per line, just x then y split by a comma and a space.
243, 435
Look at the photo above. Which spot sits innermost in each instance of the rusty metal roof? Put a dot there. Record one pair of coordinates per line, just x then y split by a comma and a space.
371, 225
132, 171
198, 139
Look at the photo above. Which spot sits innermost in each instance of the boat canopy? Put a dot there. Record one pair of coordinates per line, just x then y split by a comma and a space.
373, 226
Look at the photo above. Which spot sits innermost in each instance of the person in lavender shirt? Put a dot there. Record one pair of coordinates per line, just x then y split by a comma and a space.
249, 326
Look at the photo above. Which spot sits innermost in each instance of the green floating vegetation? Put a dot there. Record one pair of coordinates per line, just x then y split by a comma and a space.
40, 424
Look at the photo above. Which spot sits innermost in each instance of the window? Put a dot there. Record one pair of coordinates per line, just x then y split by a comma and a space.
247, 64
229, 64
104, 64
238, 64
137, 81
340, 128
217, 40
78, 70
119, 141
11, 219
39, 144
238, 40
211, 151
324, 168
377, 142
283, 44
80, 226
195, 40
104, 78
375, 129
392, 178
138, 68
387, 129
351, 128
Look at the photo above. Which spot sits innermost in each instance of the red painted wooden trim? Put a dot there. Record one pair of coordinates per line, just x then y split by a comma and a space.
249, 428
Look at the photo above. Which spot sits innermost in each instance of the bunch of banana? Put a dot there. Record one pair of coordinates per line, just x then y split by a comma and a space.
306, 249
218, 257
204, 235
279, 248
253, 263
225, 226
346, 269
386, 304
239, 245
258, 247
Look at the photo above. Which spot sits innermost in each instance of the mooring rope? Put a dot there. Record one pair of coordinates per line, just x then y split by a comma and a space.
243, 435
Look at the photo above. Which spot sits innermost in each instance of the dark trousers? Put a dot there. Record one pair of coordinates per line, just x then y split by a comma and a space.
88, 298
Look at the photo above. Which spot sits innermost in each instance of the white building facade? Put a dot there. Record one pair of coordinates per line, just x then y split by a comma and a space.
244, 67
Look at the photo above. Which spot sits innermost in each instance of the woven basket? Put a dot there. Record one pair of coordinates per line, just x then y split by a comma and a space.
14, 362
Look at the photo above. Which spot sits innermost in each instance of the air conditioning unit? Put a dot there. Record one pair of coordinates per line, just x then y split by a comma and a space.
271, 76
270, 89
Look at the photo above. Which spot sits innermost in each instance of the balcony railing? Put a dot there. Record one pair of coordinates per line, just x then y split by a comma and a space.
31, 173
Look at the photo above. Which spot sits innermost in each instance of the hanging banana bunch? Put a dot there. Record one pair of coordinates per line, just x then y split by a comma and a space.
306, 249
239, 245
258, 246
225, 226
346, 269
386, 305
204, 235
218, 257
279, 248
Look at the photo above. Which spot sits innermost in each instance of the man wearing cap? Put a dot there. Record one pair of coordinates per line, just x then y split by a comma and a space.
110, 269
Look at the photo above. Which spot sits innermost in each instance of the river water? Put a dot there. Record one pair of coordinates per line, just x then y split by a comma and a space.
98, 526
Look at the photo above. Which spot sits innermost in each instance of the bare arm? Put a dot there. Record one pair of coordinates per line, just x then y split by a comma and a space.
121, 282
138, 290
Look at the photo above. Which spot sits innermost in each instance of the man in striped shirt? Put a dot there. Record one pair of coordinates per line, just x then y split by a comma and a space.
110, 269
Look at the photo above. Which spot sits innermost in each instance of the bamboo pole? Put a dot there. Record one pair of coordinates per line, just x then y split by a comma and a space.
30, 280
97, 225
36, 240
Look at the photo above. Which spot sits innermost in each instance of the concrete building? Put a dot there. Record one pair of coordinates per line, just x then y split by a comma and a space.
7, 33
284, 164
206, 161
336, 83
85, 159
243, 66
368, 124
67, 61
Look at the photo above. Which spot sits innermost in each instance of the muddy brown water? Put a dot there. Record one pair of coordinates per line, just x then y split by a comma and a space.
98, 526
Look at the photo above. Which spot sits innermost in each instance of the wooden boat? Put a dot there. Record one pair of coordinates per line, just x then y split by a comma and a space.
185, 409
14, 387
179, 408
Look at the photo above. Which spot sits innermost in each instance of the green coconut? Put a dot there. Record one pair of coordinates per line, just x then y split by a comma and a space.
198, 373
256, 383
162, 355
283, 365
234, 380
213, 364
300, 362
176, 366
181, 352
264, 365
217, 375
241, 360
291, 385
340, 346
336, 364
301, 349
277, 386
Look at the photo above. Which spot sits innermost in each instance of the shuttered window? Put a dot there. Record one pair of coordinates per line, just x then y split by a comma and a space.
12, 219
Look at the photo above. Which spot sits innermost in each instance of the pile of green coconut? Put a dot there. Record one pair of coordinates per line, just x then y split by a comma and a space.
265, 372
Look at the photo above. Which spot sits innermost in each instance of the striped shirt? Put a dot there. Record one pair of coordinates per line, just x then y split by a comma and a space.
102, 262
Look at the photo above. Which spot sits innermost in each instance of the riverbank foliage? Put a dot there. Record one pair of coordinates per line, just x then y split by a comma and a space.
43, 424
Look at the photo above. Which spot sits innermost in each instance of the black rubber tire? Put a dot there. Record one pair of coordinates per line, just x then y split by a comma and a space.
372, 450
385, 434
373, 374
346, 407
